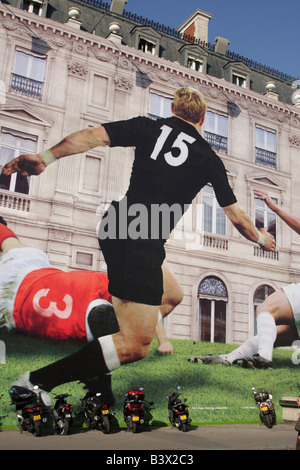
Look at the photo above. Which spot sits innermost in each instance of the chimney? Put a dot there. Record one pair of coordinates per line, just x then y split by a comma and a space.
117, 6
196, 26
221, 45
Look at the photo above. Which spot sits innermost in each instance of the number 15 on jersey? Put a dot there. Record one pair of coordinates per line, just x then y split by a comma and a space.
180, 142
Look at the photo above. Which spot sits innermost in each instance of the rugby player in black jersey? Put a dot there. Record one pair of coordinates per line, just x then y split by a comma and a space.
172, 163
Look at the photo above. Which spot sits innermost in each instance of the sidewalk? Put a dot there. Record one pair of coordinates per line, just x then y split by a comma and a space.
208, 437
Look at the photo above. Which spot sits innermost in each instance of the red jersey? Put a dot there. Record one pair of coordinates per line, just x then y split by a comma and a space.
53, 304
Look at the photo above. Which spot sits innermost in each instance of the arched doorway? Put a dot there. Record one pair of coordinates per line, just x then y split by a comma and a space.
212, 295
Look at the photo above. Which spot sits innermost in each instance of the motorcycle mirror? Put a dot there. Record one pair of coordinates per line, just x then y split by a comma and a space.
141, 388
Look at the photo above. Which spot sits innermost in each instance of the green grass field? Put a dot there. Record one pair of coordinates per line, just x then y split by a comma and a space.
215, 393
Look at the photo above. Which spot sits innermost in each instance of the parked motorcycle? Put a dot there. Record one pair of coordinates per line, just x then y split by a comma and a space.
62, 414
28, 408
266, 408
134, 411
96, 412
178, 412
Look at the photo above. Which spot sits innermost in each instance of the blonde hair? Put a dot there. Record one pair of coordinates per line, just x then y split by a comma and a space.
189, 104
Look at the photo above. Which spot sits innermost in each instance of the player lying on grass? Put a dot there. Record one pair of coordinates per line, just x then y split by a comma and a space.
278, 317
46, 302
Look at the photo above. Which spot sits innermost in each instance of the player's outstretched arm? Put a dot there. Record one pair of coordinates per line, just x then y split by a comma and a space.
78, 142
245, 226
292, 221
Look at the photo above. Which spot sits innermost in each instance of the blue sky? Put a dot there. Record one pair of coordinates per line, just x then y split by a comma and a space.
266, 31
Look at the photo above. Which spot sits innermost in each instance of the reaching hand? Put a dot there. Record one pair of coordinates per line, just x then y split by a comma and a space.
270, 243
26, 165
165, 348
265, 196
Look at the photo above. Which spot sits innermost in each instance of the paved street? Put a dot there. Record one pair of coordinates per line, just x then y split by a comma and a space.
216, 437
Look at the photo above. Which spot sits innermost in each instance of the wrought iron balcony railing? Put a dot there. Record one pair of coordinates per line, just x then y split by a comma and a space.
26, 86
217, 142
265, 157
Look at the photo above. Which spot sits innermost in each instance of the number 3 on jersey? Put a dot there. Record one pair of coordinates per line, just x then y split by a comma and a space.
180, 142
52, 308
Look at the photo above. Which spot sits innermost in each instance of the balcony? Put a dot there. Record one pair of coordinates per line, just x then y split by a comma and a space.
265, 157
15, 201
217, 142
26, 86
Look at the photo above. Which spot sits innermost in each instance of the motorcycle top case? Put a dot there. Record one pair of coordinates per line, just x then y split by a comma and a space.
136, 394
262, 396
22, 396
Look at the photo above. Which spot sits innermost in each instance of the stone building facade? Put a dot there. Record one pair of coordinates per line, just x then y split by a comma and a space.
61, 73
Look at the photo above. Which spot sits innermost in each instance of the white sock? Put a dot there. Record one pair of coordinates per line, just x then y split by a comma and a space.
266, 332
248, 349
109, 352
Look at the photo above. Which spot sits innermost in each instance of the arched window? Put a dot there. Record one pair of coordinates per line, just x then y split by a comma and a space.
212, 296
260, 295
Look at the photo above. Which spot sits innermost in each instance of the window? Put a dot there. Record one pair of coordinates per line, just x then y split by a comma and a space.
160, 106
264, 217
12, 145
147, 46
195, 64
216, 131
28, 75
33, 6
212, 310
265, 150
213, 216
239, 80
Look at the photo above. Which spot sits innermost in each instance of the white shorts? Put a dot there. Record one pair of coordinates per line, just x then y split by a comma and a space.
15, 264
292, 291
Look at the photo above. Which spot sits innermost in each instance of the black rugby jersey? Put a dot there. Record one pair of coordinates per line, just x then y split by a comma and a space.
172, 161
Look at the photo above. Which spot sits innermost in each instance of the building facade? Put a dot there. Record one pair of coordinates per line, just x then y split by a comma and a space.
85, 63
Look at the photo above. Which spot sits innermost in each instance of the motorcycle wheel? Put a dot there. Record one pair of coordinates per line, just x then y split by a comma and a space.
134, 426
37, 429
177, 423
66, 427
268, 421
88, 421
184, 427
103, 424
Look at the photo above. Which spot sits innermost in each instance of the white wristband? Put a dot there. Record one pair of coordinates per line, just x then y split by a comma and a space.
261, 239
47, 157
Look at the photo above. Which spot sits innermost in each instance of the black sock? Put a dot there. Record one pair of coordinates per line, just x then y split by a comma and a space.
86, 363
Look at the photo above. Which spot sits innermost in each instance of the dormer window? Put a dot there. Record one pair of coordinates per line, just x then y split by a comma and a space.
195, 64
147, 46
194, 57
146, 39
239, 80
237, 73
33, 6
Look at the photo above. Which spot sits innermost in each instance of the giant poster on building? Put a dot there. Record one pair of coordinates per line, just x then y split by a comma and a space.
58, 321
